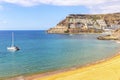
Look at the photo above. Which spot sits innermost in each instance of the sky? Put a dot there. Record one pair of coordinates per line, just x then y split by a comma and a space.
44, 14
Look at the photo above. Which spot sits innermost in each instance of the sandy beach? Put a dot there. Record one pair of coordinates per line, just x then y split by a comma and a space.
104, 70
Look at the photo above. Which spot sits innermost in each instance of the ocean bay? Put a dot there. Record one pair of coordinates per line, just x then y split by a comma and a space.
42, 52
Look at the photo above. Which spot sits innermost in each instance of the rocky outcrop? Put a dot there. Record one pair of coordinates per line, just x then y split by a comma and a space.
79, 23
114, 36
58, 29
107, 37
116, 33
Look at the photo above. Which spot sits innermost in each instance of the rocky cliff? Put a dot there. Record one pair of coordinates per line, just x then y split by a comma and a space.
79, 23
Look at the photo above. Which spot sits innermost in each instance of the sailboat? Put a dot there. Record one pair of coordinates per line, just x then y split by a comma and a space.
13, 48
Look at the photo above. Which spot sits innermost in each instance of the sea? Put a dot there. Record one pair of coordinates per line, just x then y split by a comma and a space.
41, 52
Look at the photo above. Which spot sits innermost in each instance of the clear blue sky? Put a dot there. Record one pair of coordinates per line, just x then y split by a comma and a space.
33, 16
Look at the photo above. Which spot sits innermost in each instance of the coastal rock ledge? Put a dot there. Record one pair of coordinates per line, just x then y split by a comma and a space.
86, 23
115, 35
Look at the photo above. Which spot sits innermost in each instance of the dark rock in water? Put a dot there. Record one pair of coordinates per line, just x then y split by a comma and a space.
107, 37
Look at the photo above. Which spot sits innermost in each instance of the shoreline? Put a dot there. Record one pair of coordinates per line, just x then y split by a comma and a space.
42, 76
63, 72
74, 33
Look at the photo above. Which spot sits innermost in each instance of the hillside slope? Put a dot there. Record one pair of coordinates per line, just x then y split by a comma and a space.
77, 23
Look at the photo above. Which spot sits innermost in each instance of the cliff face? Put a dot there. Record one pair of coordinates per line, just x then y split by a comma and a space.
77, 23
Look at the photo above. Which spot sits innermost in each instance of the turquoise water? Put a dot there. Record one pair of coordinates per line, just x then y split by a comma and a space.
42, 52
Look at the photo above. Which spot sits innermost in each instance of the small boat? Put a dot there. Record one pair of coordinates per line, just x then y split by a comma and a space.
71, 34
13, 48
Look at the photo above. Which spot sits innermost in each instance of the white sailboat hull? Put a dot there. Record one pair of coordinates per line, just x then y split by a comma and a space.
13, 48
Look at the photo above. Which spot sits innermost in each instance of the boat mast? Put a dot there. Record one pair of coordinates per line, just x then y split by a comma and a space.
12, 39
